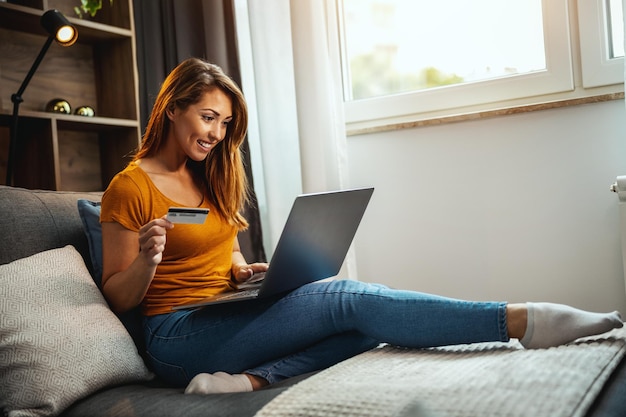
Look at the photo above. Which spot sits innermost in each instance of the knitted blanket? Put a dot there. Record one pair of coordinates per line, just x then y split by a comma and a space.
486, 379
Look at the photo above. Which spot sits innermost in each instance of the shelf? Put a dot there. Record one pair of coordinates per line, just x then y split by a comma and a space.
65, 151
73, 122
94, 32
27, 20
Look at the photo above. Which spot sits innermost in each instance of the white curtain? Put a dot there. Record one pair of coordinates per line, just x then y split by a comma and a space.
292, 80
317, 71
321, 119
266, 62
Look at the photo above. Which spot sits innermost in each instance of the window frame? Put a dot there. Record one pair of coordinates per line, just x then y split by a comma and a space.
558, 82
598, 68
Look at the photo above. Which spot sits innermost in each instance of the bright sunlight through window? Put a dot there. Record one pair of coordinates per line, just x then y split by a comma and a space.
397, 46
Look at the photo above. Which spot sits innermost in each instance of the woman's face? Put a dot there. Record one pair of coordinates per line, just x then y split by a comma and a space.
201, 126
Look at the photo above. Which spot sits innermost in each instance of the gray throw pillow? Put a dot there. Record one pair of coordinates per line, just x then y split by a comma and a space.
59, 341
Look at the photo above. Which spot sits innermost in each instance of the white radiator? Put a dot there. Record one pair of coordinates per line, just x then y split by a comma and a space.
619, 187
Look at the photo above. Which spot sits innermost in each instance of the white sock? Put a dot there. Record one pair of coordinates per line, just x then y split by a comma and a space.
556, 324
219, 382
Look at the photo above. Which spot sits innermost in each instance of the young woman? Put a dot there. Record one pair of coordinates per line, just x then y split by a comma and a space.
190, 157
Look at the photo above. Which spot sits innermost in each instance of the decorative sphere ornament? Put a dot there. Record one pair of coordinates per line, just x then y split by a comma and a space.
85, 111
59, 105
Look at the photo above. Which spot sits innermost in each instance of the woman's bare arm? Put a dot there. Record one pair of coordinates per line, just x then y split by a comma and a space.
130, 260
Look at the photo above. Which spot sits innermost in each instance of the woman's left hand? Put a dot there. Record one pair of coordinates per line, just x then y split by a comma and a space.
244, 272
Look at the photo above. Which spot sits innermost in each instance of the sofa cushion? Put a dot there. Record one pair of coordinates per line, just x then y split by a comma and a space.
148, 401
154, 399
59, 341
34, 221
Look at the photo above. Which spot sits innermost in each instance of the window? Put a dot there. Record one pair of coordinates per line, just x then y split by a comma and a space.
394, 47
601, 25
409, 59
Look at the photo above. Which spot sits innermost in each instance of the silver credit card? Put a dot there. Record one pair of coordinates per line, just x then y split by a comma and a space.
188, 215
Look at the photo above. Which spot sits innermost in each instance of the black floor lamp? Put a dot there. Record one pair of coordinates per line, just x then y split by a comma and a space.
59, 29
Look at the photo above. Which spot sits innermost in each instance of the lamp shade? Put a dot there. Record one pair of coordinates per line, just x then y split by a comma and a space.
59, 27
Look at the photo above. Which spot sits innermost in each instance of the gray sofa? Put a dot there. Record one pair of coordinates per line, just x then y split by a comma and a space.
33, 222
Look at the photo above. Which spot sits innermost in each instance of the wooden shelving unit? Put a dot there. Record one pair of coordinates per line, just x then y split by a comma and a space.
60, 151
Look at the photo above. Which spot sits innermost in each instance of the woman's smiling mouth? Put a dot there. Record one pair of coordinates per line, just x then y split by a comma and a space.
204, 144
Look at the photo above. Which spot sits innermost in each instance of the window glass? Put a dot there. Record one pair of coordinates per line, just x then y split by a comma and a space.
615, 26
397, 46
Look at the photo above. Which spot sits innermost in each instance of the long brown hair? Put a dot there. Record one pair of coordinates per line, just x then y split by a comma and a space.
222, 172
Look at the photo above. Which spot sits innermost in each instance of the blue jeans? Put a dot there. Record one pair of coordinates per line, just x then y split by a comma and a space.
311, 328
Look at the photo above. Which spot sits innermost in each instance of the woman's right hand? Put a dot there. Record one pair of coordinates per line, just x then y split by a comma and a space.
152, 239
128, 270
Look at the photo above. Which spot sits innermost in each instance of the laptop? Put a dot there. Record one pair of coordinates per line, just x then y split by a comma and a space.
312, 246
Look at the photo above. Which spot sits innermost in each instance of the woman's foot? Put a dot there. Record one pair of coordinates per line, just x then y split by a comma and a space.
543, 325
219, 382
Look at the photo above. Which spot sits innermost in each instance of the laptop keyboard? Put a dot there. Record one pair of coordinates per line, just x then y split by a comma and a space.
239, 294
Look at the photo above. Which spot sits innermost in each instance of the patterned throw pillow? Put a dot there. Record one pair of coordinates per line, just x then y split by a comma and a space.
59, 341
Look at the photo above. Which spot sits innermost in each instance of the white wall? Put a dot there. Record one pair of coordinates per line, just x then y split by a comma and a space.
511, 208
